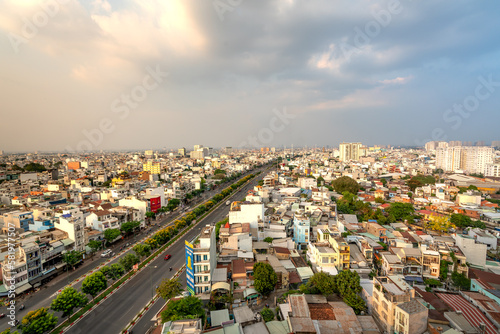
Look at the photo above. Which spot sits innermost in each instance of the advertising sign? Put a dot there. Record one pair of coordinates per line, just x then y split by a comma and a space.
189, 268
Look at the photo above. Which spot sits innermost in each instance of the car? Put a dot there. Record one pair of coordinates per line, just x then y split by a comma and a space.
107, 253
168, 256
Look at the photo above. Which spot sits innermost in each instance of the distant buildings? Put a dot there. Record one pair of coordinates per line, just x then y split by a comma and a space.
473, 159
152, 167
350, 151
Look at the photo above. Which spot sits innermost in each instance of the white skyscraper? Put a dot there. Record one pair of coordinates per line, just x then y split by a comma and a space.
472, 159
349, 151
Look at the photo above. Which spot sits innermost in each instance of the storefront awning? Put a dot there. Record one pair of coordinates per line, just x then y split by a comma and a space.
23, 288
221, 285
250, 293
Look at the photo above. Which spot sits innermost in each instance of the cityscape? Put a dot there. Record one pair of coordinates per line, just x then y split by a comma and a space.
249, 167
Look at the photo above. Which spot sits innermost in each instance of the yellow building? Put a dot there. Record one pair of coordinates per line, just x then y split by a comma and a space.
152, 167
329, 251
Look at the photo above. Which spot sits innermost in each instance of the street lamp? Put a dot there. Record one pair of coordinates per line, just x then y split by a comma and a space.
151, 280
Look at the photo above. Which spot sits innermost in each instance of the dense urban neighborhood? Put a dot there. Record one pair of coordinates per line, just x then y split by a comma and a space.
353, 239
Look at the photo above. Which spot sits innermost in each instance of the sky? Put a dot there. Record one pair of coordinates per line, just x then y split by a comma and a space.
137, 74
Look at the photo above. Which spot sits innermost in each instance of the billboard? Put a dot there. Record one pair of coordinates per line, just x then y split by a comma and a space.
189, 268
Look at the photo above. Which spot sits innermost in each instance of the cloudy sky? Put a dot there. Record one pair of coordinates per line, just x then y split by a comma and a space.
135, 74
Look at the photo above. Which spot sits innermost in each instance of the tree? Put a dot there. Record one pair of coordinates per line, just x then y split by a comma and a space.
67, 301
400, 210
355, 301
129, 227
7, 331
116, 270
267, 314
186, 308
94, 245
433, 282
460, 281
320, 180
268, 240
324, 282
169, 288
347, 282
150, 214
265, 278
71, 258
128, 261
95, 283
439, 223
38, 322
142, 250
443, 269
111, 234
34, 167
345, 183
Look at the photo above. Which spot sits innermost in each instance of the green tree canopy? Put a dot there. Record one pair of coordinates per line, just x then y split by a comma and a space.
462, 221
267, 314
268, 239
142, 250
128, 261
129, 227
186, 308
111, 234
460, 281
34, 167
67, 301
324, 282
265, 278
400, 210
169, 288
71, 258
345, 183
94, 283
38, 322
94, 245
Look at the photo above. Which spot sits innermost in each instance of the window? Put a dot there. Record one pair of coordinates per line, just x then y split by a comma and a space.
205, 278
205, 268
205, 257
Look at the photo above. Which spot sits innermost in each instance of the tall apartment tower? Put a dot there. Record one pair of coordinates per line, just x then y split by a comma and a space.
349, 151
472, 159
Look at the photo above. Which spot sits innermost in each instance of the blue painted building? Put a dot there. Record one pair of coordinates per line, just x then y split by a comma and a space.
301, 230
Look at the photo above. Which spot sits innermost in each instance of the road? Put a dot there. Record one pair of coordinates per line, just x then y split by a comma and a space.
115, 312
48, 291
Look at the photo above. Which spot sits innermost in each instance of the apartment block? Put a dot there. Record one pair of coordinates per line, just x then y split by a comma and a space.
204, 260
350, 151
473, 159
388, 293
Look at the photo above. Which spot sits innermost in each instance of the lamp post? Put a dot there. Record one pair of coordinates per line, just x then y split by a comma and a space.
151, 281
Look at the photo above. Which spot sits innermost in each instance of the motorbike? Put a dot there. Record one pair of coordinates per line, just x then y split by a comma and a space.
22, 307
2, 315
170, 268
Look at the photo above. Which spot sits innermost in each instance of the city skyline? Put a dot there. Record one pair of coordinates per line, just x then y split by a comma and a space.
134, 75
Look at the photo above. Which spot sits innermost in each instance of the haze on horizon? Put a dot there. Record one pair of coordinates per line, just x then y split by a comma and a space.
377, 72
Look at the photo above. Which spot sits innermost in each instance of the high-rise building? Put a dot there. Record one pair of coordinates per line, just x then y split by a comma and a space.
201, 261
152, 167
148, 153
181, 151
197, 147
350, 151
472, 159
492, 170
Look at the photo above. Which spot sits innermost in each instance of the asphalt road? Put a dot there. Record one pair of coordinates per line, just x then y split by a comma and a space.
44, 296
115, 312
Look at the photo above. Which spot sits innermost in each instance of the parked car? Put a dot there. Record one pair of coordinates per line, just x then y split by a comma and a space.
168, 256
107, 253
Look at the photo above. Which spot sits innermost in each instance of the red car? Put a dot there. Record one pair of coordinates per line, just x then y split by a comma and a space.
168, 256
